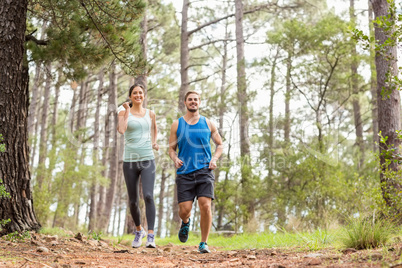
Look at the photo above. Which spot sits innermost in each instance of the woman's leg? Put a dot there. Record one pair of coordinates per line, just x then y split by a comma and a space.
148, 182
131, 176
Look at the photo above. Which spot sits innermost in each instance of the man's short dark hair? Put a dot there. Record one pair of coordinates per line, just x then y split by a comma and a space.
191, 92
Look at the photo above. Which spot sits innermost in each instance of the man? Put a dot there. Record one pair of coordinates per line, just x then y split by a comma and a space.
191, 134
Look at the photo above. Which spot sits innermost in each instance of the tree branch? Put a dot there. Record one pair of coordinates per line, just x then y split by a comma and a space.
32, 38
204, 78
193, 65
252, 10
103, 36
210, 42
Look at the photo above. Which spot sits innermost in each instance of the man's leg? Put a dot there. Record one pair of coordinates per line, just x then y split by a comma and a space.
206, 217
184, 213
185, 210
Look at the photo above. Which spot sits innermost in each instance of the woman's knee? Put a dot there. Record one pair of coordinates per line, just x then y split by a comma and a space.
134, 203
149, 199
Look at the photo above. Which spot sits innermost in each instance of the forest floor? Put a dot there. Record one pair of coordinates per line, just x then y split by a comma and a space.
51, 251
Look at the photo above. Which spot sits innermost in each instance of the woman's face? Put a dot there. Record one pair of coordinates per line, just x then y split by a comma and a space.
137, 95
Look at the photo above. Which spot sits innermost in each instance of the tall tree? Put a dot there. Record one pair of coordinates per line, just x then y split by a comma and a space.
95, 158
355, 89
114, 158
44, 127
388, 100
373, 81
14, 163
243, 99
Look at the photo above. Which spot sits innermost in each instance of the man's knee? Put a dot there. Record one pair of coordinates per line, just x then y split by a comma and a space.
205, 204
185, 208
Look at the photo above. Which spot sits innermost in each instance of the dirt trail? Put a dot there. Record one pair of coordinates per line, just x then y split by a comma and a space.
51, 251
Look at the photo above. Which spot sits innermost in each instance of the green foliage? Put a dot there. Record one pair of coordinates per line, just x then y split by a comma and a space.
318, 239
2, 146
16, 236
368, 232
391, 25
314, 179
3, 192
63, 187
303, 240
83, 34
389, 200
95, 235
55, 231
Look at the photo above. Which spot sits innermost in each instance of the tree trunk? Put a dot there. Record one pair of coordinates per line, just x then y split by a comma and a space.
389, 106
142, 79
35, 130
373, 82
355, 90
288, 95
129, 225
32, 115
34, 100
94, 182
43, 129
222, 110
176, 221
271, 118
164, 176
102, 189
113, 159
53, 140
14, 103
120, 177
244, 116
184, 55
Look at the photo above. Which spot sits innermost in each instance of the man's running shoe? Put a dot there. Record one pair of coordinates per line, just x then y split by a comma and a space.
203, 248
150, 241
184, 229
139, 235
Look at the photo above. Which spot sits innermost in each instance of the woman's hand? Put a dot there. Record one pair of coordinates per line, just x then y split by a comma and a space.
155, 146
126, 105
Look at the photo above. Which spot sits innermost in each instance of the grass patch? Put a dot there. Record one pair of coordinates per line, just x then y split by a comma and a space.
302, 241
367, 232
359, 234
55, 231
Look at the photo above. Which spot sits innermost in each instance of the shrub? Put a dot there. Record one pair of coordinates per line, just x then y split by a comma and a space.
368, 232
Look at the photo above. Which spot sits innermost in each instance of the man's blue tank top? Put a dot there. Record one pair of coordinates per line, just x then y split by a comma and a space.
194, 145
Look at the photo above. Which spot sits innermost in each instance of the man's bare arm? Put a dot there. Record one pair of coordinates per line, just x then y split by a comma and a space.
173, 145
217, 139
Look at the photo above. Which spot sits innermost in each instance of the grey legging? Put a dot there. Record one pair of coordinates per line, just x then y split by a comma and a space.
132, 172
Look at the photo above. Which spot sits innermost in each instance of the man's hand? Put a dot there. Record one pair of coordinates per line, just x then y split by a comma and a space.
155, 146
212, 164
178, 163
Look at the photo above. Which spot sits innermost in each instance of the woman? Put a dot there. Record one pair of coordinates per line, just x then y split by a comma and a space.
139, 128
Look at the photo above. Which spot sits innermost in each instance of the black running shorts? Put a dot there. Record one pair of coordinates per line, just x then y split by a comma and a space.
199, 183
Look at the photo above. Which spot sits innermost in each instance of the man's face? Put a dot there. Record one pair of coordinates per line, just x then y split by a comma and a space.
192, 102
